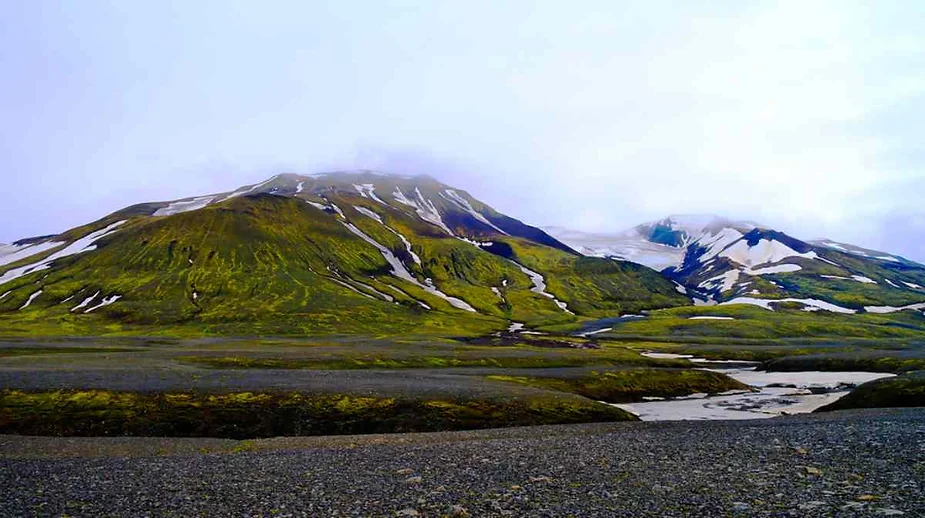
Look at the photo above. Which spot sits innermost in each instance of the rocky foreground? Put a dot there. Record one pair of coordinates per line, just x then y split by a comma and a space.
850, 463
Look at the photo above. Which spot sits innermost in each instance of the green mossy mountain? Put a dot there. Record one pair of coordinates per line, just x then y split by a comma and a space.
339, 253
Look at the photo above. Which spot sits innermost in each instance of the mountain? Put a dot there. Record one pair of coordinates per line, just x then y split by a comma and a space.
658, 244
717, 260
328, 253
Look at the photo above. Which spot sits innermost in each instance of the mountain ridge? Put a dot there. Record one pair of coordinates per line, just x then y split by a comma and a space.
708, 256
321, 253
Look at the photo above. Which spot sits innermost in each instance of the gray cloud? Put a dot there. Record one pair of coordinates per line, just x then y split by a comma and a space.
804, 116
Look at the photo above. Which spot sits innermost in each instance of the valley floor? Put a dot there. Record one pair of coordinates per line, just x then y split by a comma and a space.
848, 463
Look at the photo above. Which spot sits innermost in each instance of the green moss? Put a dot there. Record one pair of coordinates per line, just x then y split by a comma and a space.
626, 386
868, 361
31, 351
757, 324
907, 390
247, 414
522, 357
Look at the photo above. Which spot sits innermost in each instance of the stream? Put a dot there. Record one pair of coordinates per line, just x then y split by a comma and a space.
776, 393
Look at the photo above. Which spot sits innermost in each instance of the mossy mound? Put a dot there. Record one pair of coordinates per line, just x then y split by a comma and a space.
907, 390
244, 415
632, 385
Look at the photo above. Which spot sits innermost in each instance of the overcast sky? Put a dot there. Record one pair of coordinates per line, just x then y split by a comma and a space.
804, 116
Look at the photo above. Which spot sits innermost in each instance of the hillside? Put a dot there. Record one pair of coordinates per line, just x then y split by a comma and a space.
333, 253
716, 260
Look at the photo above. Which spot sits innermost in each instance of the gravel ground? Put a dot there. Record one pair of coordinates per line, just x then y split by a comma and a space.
416, 383
853, 463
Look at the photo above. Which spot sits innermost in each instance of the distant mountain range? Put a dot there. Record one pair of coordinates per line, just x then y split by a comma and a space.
717, 260
366, 252
340, 252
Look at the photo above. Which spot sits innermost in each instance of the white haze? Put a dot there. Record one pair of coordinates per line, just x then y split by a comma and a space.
805, 116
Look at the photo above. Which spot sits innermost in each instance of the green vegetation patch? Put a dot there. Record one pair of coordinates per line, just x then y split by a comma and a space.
498, 357
907, 390
898, 361
627, 386
28, 351
243, 415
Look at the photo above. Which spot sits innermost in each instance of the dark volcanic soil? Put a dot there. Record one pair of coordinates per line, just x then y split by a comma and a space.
853, 463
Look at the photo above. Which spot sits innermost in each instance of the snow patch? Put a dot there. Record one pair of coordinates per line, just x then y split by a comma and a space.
479, 244
366, 212
338, 211
891, 309
912, 285
385, 296
810, 304
763, 252
30, 299
858, 278
351, 288
781, 268
84, 244
317, 205
454, 197
298, 188
833, 244
715, 244
425, 209
250, 189
105, 302
539, 287
13, 253
891, 283
596, 331
833, 263
368, 190
184, 206
725, 281
399, 270
85, 302
398, 290
414, 257
5, 294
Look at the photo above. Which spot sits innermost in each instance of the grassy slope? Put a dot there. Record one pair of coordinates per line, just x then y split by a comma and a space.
266, 264
258, 264
849, 293
597, 287
759, 324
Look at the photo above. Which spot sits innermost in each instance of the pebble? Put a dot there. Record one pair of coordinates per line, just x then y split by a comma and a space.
698, 469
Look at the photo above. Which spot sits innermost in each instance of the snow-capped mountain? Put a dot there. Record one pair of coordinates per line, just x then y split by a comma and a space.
715, 259
858, 251
300, 253
657, 244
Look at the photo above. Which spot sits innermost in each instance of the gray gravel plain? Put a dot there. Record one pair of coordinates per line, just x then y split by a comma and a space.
851, 463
